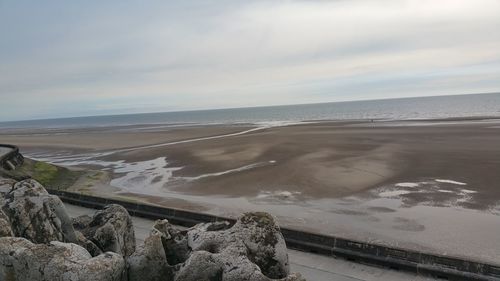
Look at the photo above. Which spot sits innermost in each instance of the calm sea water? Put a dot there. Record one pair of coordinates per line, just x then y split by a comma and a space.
389, 109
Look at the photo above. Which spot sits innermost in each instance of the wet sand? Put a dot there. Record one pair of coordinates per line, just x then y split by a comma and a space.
106, 138
426, 185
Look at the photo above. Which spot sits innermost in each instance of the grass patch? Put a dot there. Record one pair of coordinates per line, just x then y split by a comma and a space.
50, 176
45, 173
128, 199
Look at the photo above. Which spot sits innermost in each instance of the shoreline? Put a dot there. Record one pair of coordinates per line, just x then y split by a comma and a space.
135, 149
395, 184
421, 104
270, 123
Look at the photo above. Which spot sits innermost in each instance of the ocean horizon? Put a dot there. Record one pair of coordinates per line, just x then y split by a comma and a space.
413, 108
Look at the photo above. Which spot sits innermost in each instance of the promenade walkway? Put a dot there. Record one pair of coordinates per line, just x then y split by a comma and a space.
312, 267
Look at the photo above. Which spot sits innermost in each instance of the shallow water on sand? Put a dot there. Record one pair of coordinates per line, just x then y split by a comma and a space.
430, 214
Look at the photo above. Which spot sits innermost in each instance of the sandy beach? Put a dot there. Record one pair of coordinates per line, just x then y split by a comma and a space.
431, 185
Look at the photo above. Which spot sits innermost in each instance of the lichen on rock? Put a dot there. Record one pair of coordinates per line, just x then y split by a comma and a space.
110, 229
21, 260
35, 214
103, 246
253, 249
150, 261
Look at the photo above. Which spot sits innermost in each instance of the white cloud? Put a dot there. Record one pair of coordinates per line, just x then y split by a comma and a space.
69, 60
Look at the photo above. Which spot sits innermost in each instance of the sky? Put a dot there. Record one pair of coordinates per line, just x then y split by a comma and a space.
78, 58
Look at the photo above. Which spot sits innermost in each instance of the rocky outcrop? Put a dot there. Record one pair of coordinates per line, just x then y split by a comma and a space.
103, 245
42, 225
5, 187
5, 228
35, 214
150, 262
109, 229
21, 260
28, 210
253, 249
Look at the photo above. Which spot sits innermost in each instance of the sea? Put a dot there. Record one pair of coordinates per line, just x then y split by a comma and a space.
436, 107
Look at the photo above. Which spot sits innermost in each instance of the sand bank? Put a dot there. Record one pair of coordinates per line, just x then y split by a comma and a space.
424, 186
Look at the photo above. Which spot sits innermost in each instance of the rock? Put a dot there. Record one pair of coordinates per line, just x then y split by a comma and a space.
35, 214
21, 260
174, 242
253, 243
110, 229
149, 262
253, 249
265, 243
87, 244
5, 229
8, 247
5, 187
203, 266
83, 222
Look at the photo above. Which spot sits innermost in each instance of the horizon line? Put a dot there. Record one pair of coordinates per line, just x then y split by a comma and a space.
242, 107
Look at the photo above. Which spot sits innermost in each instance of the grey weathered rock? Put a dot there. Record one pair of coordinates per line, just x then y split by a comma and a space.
35, 214
256, 237
253, 249
5, 228
83, 222
5, 187
149, 262
174, 242
110, 229
21, 260
87, 244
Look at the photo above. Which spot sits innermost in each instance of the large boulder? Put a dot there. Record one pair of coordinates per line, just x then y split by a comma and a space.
21, 260
150, 261
110, 229
35, 214
5, 187
253, 249
5, 228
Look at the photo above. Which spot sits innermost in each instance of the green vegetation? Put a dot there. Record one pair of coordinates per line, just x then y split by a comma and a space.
50, 176
45, 173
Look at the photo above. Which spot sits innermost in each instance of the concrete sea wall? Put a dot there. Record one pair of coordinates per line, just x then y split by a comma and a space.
12, 158
445, 267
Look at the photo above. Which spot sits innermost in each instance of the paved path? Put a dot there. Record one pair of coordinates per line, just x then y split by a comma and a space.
312, 267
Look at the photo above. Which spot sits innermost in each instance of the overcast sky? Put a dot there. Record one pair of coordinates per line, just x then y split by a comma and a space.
75, 58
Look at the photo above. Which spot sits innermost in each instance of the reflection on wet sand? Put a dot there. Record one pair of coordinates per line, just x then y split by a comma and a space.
420, 187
